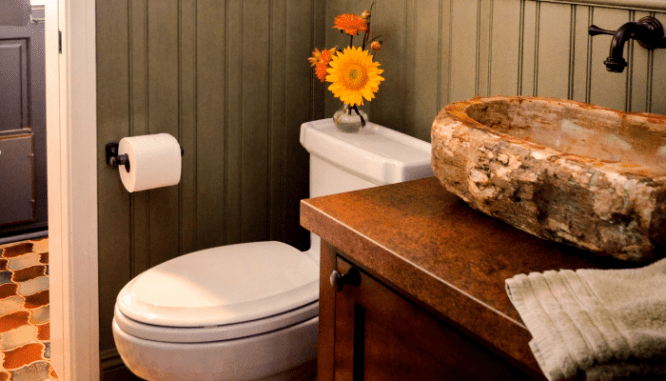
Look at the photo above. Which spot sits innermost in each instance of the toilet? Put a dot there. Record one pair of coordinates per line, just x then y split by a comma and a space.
250, 311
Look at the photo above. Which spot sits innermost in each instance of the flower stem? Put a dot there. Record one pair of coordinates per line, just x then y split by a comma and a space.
359, 114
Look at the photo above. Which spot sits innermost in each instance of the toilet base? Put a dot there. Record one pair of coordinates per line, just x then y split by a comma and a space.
305, 372
268, 357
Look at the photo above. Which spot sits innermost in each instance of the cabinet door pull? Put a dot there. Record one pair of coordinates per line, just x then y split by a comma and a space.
352, 278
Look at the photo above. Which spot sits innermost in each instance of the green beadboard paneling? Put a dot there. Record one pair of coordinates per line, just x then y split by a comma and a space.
464, 49
647, 5
530, 47
581, 54
187, 84
255, 119
112, 124
137, 55
639, 64
231, 81
606, 88
554, 50
280, 43
484, 21
163, 116
212, 126
233, 121
446, 9
391, 19
426, 68
504, 47
294, 159
657, 86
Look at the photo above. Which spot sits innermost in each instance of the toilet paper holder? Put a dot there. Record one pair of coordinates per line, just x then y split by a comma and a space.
113, 159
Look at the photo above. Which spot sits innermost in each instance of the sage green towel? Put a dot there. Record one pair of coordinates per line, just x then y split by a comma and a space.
606, 324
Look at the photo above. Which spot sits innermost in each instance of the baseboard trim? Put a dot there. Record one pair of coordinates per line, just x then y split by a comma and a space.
644, 5
112, 367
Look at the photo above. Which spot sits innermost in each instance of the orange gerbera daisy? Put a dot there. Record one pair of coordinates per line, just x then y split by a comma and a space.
315, 57
350, 24
321, 60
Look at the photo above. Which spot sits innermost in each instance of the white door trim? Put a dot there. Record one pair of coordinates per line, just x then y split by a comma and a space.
72, 188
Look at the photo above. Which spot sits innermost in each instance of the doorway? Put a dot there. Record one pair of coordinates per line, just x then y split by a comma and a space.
23, 193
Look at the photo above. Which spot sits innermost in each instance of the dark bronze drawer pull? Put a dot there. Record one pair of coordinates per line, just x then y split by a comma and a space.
352, 278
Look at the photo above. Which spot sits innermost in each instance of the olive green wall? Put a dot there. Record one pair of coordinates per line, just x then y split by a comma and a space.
229, 79
441, 51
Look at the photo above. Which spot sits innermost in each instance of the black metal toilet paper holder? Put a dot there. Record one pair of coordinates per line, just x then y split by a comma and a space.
113, 159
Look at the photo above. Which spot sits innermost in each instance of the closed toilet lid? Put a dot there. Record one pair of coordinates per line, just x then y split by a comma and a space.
222, 285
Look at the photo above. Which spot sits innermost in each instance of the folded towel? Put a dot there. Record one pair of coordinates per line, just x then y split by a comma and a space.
606, 324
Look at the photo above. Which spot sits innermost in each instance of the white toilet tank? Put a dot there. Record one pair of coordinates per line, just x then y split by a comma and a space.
374, 156
343, 162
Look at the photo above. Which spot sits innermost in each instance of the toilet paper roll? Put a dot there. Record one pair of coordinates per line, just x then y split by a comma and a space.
155, 162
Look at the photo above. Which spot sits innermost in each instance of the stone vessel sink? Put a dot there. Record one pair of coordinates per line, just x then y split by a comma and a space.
562, 170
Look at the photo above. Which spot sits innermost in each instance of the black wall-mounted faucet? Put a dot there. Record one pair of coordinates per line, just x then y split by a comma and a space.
648, 32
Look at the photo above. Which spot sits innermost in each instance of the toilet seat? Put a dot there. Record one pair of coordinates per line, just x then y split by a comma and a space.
221, 293
218, 333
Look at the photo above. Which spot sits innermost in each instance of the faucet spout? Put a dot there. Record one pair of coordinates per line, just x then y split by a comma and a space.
615, 61
648, 32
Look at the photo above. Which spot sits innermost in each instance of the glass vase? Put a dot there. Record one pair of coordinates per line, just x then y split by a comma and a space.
348, 120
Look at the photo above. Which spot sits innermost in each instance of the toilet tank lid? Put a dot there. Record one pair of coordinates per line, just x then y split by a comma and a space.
222, 285
375, 153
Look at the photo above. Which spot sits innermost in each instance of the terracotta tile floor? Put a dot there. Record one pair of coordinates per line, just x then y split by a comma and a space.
24, 312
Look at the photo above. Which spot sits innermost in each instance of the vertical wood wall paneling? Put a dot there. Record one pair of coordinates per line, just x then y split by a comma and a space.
505, 37
581, 41
607, 89
188, 124
657, 87
640, 70
390, 20
234, 120
529, 54
334, 38
484, 46
278, 45
255, 116
463, 50
445, 53
137, 14
319, 30
213, 122
163, 114
426, 69
554, 50
112, 125
294, 159
410, 42
230, 80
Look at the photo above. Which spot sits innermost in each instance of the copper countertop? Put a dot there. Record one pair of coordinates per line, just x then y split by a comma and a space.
435, 250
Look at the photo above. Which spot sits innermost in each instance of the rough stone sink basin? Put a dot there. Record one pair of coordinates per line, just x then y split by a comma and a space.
566, 171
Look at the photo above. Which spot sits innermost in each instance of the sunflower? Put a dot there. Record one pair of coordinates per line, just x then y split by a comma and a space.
350, 23
354, 76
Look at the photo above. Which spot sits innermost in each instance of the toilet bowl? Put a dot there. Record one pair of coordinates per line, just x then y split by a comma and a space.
250, 311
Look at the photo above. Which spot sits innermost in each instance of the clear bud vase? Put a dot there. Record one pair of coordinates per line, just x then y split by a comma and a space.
348, 120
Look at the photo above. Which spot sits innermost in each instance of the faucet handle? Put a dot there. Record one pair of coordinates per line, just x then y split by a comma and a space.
594, 30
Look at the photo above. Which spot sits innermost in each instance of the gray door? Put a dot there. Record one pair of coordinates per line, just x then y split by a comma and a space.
22, 111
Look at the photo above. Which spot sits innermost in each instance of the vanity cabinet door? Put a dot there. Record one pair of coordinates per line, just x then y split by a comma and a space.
379, 335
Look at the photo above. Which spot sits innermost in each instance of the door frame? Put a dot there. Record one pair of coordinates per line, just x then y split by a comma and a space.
72, 187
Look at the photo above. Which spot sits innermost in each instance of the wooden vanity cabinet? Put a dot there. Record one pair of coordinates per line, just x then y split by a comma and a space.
368, 331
